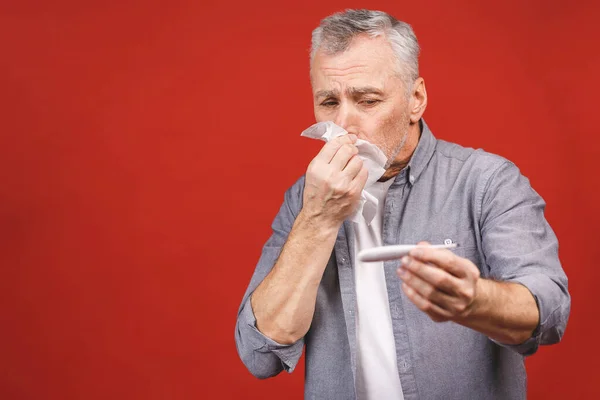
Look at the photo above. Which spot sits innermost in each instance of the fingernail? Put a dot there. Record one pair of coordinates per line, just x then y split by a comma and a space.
401, 272
405, 260
416, 253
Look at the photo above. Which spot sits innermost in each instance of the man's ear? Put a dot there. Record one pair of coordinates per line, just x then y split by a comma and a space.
418, 100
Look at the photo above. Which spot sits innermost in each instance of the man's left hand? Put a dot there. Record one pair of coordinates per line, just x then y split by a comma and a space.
440, 283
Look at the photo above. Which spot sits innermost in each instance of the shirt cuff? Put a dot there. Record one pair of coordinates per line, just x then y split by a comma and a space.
289, 354
527, 348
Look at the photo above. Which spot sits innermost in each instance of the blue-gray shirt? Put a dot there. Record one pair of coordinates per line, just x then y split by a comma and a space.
471, 197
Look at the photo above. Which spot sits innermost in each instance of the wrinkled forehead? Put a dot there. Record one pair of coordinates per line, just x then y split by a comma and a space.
366, 62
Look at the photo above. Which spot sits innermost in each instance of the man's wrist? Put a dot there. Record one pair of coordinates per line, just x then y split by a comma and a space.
319, 224
480, 305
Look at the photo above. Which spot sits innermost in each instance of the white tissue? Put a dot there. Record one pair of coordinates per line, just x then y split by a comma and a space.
373, 159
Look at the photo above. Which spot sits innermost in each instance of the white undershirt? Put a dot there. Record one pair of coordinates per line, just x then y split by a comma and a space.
377, 370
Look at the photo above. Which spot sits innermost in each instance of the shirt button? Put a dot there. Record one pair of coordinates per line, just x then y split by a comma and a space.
403, 365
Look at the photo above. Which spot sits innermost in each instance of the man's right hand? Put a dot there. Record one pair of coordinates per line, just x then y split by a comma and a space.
334, 180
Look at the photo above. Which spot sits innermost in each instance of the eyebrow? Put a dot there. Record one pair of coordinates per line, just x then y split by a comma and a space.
326, 93
355, 91
352, 92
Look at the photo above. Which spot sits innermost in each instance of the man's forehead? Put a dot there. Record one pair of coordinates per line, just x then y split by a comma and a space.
364, 66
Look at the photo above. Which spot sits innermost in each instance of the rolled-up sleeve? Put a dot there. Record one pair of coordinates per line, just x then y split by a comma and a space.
263, 356
519, 246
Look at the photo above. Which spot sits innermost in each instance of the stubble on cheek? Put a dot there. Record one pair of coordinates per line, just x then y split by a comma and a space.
395, 133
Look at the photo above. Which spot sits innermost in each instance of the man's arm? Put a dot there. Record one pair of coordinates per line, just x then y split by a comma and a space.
524, 301
284, 302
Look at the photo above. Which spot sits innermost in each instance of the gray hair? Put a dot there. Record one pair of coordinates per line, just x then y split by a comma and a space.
335, 33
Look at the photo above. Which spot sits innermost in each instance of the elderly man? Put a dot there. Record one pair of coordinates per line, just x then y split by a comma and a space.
451, 324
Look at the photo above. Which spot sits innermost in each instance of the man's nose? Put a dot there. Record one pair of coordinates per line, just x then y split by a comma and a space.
345, 117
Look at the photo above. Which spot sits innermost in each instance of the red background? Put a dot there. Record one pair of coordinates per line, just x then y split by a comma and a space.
145, 149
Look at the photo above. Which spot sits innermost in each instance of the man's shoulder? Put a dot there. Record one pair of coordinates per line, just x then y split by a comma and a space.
298, 187
293, 195
475, 158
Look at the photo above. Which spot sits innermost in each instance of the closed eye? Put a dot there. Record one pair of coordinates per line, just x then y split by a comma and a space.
370, 102
329, 103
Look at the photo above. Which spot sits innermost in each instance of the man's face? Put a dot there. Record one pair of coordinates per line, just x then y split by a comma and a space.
361, 91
